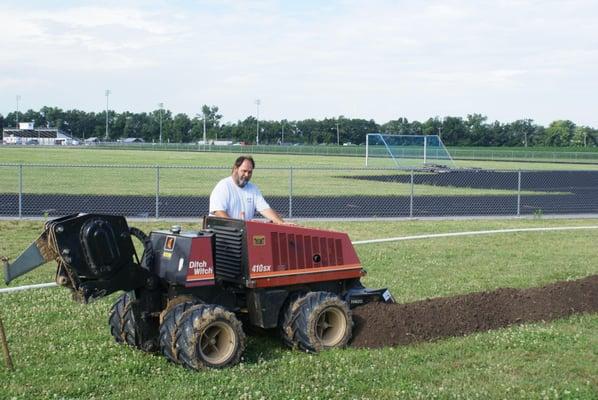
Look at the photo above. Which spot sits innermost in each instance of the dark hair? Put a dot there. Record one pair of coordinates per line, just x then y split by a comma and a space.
242, 159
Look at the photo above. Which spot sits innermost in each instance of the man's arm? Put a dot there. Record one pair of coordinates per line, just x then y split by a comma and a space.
221, 214
272, 216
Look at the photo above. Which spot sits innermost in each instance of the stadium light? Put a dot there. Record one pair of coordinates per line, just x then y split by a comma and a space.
107, 94
18, 99
205, 136
257, 136
202, 117
161, 105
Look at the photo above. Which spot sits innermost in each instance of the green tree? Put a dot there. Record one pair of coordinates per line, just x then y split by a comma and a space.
582, 136
559, 133
521, 133
477, 130
399, 126
453, 132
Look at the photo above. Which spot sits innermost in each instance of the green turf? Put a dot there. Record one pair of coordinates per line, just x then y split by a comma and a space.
134, 172
64, 350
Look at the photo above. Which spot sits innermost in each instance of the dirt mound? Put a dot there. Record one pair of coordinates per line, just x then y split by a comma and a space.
380, 325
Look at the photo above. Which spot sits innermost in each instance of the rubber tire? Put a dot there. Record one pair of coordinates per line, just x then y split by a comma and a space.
289, 314
310, 326
122, 323
169, 328
205, 319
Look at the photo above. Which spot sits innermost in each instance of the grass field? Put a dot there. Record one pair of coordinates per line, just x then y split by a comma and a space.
90, 155
133, 172
64, 350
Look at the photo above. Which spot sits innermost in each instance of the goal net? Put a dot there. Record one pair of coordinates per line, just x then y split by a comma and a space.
406, 151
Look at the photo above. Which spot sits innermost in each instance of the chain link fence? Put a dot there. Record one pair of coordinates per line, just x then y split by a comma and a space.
38, 190
589, 156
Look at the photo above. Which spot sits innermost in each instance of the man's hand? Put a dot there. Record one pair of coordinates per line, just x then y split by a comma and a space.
221, 214
274, 217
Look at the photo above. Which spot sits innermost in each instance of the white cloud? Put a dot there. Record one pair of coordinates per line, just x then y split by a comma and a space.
380, 59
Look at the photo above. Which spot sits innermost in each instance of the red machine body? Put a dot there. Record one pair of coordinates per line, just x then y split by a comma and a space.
280, 255
254, 254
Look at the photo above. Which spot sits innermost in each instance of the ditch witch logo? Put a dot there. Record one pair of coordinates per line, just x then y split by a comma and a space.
200, 268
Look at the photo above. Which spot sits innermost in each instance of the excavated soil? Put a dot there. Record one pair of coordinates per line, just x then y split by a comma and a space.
381, 325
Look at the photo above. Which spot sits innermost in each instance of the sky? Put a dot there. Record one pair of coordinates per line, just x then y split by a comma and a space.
375, 59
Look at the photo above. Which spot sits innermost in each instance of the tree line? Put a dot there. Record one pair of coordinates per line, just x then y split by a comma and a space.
474, 130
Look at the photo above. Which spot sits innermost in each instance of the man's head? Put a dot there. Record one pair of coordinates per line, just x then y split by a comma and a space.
242, 170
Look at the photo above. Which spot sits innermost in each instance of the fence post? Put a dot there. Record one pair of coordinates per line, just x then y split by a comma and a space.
291, 192
20, 191
157, 191
519, 193
411, 198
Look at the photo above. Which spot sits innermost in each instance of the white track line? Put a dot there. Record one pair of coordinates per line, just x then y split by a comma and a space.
28, 287
472, 233
394, 239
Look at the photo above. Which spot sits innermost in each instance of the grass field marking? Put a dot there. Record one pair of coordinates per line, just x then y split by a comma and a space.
29, 287
474, 233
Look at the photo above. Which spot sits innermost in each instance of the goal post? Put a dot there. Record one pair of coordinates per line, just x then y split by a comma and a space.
406, 151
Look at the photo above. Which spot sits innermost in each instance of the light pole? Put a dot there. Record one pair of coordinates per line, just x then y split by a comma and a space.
205, 136
338, 136
202, 116
282, 139
257, 135
107, 94
18, 99
161, 105
585, 138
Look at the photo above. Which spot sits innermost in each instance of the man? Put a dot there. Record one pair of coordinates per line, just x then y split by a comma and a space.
236, 197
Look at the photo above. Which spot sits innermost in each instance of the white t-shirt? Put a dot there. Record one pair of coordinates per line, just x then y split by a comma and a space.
240, 203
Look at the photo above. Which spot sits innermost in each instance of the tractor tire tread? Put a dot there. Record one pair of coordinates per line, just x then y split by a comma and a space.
116, 320
192, 324
169, 328
308, 310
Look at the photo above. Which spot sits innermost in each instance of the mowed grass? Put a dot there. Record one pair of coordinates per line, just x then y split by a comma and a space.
134, 172
62, 349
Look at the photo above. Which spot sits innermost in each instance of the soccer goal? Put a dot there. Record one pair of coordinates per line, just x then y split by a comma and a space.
406, 151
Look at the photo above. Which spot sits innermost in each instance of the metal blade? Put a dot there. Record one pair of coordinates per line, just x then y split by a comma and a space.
36, 254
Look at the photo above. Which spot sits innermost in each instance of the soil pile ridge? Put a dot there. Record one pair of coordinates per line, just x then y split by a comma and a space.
381, 325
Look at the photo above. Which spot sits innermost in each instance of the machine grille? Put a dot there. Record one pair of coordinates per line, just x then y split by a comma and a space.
228, 253
290, 252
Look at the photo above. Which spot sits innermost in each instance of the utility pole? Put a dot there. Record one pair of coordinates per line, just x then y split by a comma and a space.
257, 136
202, 116
161, 105
107, 94
282, 139
585, 138
205, 138
18, 99
338, 136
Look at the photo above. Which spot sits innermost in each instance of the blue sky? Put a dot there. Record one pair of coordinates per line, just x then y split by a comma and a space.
378, 59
